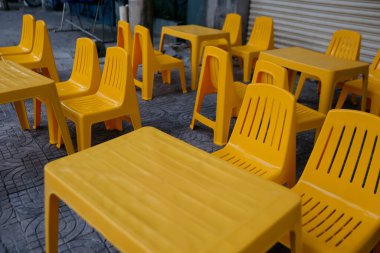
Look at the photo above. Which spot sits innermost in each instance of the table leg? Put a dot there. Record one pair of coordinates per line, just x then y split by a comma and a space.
195, 46
51, 222
364, 92
21, 113
326, 95
291, 80
295, 238
53, 101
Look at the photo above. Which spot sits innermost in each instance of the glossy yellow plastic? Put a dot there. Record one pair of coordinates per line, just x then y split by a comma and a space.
263, 141
143, 54
217, 77
85, 76
116, 97
233, 26
373, 89
196, 35
329, 69
339, 185
26, 41
147, 191
306, 117
124, 36
18, 83
344, 44
262, 38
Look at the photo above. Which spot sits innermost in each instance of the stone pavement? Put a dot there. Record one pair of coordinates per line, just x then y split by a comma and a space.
23, 154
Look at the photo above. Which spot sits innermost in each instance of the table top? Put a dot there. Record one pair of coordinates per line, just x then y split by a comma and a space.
297, 55
164, 195
14, 77
194, 30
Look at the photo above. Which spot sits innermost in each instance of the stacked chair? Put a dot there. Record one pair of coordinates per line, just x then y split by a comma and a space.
373, 90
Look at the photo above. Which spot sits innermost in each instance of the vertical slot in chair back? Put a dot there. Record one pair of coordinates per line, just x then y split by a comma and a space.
262, 34
345, 44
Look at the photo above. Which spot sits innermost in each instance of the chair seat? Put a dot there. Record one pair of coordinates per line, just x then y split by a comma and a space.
70, 89
245, 49
356, 86
249, 163
335, 224
167, 62
88, 105
13, 50
308, 118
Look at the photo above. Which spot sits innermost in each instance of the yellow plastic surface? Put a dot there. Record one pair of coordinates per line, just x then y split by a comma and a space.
176, 199
373, 89
115, 98
262, 38
329, 70
263, 141
339, 185
18, 83
143, 54
124, 36
344, 44
232, 25
217, 77
26, 41
196, 35
306, 117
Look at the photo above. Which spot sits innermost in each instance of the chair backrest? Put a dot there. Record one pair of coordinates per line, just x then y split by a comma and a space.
116, 76
265, 126
345, 160
232, 24
124, 36
262, 35
374, 69
143, 52
345, 44
270, 73
27, 33
86, 69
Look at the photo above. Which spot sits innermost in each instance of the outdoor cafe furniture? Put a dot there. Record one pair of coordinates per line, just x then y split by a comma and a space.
115, 98
196, 35
143, 54
355, 87
329, 70
344, 44
263, 141
18, 83
261, 38
147, 191
26, 41
339, 186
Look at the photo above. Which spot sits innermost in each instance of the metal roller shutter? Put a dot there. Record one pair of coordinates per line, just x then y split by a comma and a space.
311, 23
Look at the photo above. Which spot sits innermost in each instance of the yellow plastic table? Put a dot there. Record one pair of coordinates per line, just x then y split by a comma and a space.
196, 35
147, 191
18, 83
329, 69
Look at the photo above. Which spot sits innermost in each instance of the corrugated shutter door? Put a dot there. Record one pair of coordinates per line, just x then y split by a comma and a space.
311, 23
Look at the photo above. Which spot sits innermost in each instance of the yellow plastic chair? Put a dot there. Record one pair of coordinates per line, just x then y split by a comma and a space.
339, 185
263, 141
143, 53
217, 77
232, 24
373, 89
26, 41
124, 36
344, 44
116, 97
261, 39
271, 73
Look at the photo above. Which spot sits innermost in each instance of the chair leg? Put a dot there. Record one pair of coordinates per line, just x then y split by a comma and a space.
342, 97
147, 86
51, 222
197, 106
300, 84
37, 113
83, 135
246, 69
166, 77
59, 138
182, 78
135, 119
222, 126
21, 113
295, 238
